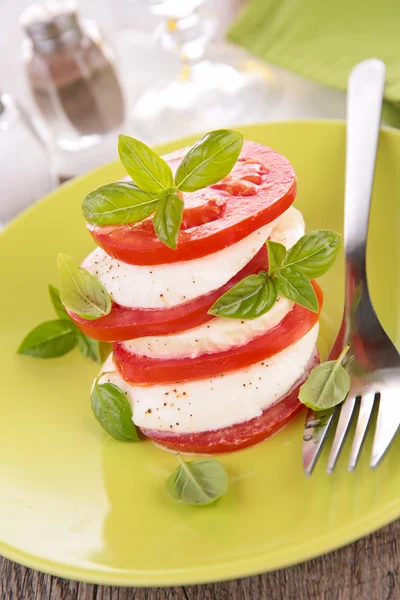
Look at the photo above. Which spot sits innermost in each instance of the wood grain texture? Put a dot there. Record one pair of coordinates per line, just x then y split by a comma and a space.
366, 570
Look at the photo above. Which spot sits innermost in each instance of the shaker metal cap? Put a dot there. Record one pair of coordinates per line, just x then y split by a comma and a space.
49, 19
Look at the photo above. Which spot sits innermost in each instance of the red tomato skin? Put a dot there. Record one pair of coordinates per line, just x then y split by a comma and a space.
126, 324
235, 437
233, 209
144, 370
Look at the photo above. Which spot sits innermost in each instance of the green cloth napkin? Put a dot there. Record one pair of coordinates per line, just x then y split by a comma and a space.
324, 39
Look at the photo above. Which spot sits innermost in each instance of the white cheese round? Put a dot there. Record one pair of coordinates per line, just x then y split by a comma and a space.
209, 404
213, 336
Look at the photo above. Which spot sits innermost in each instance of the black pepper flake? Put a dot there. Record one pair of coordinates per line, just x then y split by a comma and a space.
148, 412
177, 423
166, 393
242, 322
151, 272
170, 426
175, 391
184, 394
191, 415
244, 385
260, 378
262, 364
165, 404
161, 295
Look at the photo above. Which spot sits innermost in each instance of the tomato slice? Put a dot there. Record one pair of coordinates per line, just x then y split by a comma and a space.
128, 323
261, 186
237, 436
145, 370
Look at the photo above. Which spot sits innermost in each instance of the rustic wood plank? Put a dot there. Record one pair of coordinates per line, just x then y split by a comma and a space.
366, 570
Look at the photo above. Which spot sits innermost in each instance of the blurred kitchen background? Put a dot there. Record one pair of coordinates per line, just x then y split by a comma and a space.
73, 74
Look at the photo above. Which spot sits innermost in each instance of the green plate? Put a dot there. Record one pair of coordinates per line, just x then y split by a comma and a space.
76, 504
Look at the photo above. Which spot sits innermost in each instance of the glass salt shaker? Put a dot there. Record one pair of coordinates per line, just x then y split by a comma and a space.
71, 74
27, 173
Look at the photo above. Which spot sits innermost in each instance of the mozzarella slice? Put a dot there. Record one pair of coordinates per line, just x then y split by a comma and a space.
213, 336
160, 286
209, 404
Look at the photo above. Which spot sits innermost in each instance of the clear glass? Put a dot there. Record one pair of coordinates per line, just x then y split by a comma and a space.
75, 87
26, 165
216, 87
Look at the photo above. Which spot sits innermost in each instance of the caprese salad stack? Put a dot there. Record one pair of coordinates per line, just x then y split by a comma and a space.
213, 330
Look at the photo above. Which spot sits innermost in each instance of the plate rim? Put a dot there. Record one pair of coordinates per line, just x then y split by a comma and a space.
247, 566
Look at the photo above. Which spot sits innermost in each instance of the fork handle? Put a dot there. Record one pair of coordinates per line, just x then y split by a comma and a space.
364, 108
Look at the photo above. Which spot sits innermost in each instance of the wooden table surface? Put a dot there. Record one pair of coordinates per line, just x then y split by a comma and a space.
366, 570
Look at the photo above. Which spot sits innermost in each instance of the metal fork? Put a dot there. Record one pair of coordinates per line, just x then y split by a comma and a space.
374, 362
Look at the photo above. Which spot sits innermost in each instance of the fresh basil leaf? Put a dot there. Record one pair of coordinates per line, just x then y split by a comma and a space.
297, 287
168, 218
49, 339
56, 302
314, 253
114, 413
118, 203
327, 385
80, 292
250, 298
198, 482
276, 254
211, 159
88, 347
148, 170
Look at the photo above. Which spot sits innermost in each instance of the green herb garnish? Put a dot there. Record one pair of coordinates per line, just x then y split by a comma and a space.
118, 203
168, 218
288, 273
55, 338
198, 482
248, 299
49, 339
209, 160
80, 292
155, 190
327, 385
113, 411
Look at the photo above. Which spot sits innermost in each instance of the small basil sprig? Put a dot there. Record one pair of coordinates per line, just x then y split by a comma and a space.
248, 299
327, 385
55, 338
80, 292
168, 218
118, 203
198, 482
49, 339
113, 411
288, 273
155, 190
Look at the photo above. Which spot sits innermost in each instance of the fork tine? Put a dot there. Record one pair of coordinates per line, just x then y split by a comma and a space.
341, 429
386, 426
316, 428
366, 405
